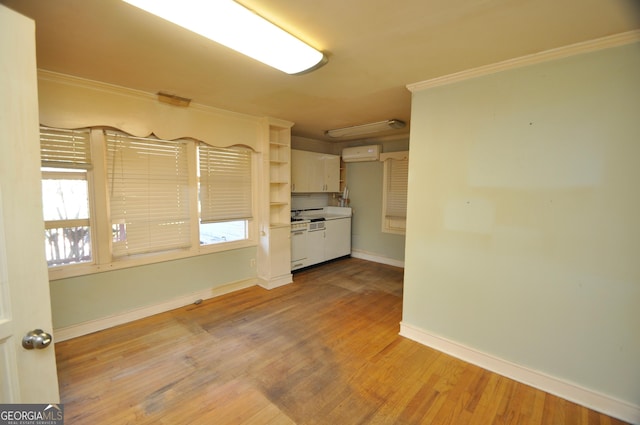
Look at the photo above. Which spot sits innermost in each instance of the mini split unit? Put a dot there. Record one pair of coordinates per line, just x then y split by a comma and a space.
361, 153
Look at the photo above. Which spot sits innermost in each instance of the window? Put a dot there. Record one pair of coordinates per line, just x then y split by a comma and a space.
66, 163
148, 183
225, 193
118, 200
394, 208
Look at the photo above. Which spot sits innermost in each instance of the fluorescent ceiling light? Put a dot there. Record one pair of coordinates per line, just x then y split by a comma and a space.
358, 130
228, 23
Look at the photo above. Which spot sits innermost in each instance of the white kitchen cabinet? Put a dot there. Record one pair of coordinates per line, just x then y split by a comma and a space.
332, 241
299, 173
280, 252
313, 172
337, 241
332, 173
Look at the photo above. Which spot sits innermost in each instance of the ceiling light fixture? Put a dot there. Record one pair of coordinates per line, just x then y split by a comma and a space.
358, 130
228, 23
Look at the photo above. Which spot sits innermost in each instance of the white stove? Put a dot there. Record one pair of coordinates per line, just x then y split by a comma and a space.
299, 226
307, 236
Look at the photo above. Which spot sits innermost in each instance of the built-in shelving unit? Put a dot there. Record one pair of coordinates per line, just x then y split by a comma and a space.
274, 252
279, 175
343, 175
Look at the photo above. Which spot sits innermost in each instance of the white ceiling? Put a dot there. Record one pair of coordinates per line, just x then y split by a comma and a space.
375, 49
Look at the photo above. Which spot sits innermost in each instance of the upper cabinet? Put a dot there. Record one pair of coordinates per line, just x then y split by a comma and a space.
331, 173
300, 175
314, 172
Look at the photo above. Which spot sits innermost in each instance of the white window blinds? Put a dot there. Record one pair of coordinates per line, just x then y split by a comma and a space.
60, 148
396, 188
66, 163
148, 194
225, 183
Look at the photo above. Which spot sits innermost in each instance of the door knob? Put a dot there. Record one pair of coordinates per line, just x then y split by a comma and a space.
37, 338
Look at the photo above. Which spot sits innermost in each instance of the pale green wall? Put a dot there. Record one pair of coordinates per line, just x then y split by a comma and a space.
523, 232
96, 296
364, 180
365, 193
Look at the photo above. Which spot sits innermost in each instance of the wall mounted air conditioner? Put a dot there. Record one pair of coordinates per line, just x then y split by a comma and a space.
361, 153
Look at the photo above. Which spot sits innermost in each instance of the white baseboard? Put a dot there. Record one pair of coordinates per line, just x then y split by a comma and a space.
370, 256
276, 281
558, 387
91, 326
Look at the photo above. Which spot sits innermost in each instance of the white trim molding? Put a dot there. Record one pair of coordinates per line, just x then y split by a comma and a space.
532, 59
370, 256
550, 384
401, 156
71, 102
276, 282
91, 326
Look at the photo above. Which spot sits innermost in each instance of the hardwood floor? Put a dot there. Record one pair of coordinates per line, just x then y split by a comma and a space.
323, 350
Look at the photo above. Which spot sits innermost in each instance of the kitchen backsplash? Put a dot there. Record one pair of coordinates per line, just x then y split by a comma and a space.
306, 201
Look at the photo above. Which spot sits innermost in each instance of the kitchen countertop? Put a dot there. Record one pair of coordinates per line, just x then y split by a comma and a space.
326, 213
336, 216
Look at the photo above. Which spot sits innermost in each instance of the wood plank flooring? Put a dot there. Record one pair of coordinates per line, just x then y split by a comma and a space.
323, 350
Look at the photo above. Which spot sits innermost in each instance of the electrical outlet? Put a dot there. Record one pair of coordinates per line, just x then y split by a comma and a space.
252, 263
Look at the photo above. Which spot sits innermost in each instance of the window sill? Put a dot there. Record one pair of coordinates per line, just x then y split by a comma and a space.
63, 272
395, 226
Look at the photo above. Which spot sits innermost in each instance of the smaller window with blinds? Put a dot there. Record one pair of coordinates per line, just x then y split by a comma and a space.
225, 193
394, 197
66, 164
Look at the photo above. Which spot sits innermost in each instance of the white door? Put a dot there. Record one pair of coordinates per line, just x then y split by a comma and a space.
26, 376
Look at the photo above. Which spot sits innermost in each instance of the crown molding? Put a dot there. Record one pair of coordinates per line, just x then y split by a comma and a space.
532, 59
112, 89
